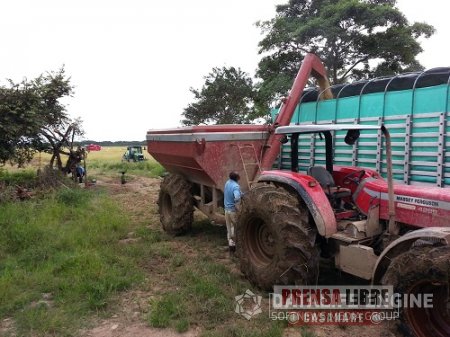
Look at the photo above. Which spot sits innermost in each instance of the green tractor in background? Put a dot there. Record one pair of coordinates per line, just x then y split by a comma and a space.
133, 153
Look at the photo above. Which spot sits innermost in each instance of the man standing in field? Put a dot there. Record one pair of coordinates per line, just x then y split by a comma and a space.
232, 196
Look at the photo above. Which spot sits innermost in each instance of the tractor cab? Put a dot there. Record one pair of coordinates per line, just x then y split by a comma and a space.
338, 183
354, 192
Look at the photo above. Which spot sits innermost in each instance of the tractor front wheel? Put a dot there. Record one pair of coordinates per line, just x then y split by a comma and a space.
175, 204
274, 242
420, 271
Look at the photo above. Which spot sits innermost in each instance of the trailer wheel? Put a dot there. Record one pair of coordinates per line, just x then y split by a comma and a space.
423, 270
274, 242
175, 204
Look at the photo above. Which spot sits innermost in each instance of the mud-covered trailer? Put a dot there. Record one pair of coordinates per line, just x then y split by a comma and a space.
203, 156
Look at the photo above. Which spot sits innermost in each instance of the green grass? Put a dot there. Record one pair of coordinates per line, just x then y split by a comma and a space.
201, 289
106, 161
147, 168
24, 178
65, 245
166, 310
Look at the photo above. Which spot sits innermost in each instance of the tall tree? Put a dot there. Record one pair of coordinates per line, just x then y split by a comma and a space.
354, 38
225, 98
28, 110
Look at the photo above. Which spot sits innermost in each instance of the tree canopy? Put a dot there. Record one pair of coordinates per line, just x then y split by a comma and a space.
355, 39
226, 98
32, 117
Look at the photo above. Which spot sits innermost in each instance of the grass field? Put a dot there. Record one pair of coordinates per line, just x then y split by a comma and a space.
69, 258
85, 261
109, 160
64, 246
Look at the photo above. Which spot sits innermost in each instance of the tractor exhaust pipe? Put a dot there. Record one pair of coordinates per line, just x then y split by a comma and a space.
393, 228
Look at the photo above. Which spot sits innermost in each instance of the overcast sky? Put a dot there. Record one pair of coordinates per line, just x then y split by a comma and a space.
132, 62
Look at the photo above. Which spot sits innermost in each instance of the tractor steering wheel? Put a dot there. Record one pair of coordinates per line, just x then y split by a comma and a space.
354, 177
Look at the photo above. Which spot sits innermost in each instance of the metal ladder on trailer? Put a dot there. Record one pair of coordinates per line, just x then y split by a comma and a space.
253, 163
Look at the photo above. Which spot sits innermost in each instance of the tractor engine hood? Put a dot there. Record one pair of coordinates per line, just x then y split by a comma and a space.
414, 205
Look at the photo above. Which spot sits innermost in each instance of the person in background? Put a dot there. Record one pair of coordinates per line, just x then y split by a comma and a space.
232, 197
80, 172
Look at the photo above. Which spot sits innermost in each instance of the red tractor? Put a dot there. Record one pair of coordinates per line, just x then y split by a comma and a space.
390, 234
384, 233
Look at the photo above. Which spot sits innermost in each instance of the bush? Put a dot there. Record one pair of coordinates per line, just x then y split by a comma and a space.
51, 178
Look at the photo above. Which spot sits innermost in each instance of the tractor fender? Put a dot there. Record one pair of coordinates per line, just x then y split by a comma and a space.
311, 193
435, 235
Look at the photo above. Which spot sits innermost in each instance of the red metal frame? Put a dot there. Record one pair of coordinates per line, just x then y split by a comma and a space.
207, 154
311, 65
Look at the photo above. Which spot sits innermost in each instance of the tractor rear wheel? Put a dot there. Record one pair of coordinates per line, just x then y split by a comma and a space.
175, 203
274, 242
423, 270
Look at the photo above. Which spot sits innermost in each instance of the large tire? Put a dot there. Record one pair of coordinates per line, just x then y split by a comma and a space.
175, 203
274, 242
423, 270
